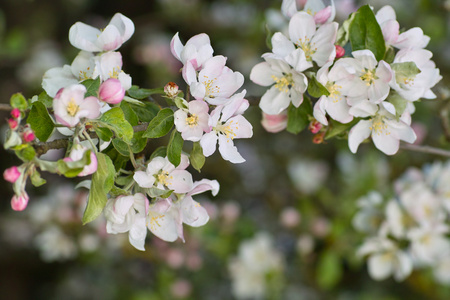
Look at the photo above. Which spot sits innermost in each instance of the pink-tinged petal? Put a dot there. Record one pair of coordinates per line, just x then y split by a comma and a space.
412, 38
199, 40
390, 30
319, 110
208, 143
229, 151
384, 71
274, 123
386, 13
322, 16
213, 68
92, 106
109, 39
193, 214
301, 26
261, 74
111, 91
297, 59
11, 174
143, 179
281, 45
198, 107
236, 105
109, 64
124, 25
189, 74
240, 127
91, 168
176, 46
184, 162
138, 233
180, 181
56, 78
203, 186
386, 142
358, 134
164, 225
274, 101
84, 37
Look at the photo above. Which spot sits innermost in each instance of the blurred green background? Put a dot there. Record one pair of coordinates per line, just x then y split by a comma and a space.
45, 252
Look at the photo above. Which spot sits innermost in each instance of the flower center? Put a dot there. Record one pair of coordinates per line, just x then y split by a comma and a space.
192, 120
284, 83
154, 220
83, 74
306, 46
72, 107
114, 73
163, 178
369, 76
210, 88
334, 90
227, 129
379, 126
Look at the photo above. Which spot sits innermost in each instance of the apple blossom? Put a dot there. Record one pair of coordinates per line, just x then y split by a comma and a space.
70, 105
339, 51
128, 214
274, 123
15, 113
11, 174
226, 126
77, 153
288, 85
193, 121
28, 135
196, 51
321, 13
162, 174
171, 90
111, 91
19, 202
88, 38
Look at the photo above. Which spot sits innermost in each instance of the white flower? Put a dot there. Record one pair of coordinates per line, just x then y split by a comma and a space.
429, 244
386, 132
128, 214
193, 121
288, 85
321, 13
196, 51
88, 38
369, 216
162, 174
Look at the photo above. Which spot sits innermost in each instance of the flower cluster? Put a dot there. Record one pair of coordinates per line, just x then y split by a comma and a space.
410, 231
97, 109
372, 92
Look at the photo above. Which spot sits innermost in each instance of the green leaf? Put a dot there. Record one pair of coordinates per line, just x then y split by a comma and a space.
129, 114
36, 179
103, 133
71, 169
45, 99
399, 103
160, 125
115, 120
146, 112
124, 180
160, 151
138, 144
40, 121
137, 93
92, 86
118, 160
343, 31
298, 117
18, 101
102, 182
26, 153
329, 270
174, 148
365, 33
316, 89
336, 128
196, 157
268, 36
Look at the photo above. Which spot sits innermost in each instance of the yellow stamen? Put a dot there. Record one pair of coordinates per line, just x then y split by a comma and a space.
369, 76
72, 107
192, 120
284, 83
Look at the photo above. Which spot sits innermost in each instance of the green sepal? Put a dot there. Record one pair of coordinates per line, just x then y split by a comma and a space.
316, 89
365, 33
336, 128
298, 117
40, 121
36, 179
160, 125
102, 182
196, 157
25, 152
175, 147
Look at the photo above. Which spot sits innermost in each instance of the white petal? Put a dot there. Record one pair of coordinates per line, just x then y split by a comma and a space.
274, 101
261, 74
143, 179
208, 143
229, 151
380, 266
358, 134
83, 37
193, 214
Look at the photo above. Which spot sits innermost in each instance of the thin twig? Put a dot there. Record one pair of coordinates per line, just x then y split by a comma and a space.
426, 149
5, 107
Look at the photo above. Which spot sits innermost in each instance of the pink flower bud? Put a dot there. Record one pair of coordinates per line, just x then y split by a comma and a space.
318, 138
315, 126
171, 89
15, 113
28, 136
13, 124
11, 174
111, 91
19, 203
274, 123
339, 51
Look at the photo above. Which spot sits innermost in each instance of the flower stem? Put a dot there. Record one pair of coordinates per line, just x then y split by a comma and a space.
426, 149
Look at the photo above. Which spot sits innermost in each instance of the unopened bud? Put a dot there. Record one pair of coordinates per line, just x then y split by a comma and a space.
315, 126
339, 51
28, 136
11, 174
19, 203
171, 89
13, 124
15, 113
318, 138
111, 91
